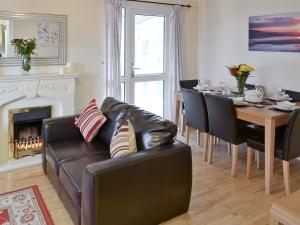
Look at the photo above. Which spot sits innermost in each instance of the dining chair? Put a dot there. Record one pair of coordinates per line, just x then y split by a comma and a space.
188, 84
250, 86
294, 95
257, 155
287, 147
196, 116
295, 98
224, 124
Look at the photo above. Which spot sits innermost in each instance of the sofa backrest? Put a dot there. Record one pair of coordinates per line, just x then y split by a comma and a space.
116, 113
151, 130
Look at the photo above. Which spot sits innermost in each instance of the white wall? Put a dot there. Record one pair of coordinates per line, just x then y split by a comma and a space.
86, 41
224, 34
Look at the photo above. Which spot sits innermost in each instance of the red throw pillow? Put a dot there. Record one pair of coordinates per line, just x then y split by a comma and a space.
90, 121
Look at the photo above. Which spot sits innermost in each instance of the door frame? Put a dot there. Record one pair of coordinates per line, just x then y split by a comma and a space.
132, 9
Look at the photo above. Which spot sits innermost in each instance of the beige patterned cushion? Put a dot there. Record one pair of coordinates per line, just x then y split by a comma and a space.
123, 142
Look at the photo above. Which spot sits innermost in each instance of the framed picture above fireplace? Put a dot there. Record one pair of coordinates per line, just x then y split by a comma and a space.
275, 33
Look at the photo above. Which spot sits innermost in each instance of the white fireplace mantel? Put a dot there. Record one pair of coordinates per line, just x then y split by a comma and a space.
31, 86
55, 90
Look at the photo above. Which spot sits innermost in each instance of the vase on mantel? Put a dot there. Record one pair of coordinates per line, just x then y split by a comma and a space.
26, 60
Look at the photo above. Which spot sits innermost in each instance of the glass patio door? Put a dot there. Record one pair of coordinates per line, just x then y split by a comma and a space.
144, 56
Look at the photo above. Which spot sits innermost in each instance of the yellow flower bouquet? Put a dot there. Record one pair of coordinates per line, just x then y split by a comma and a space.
241, 74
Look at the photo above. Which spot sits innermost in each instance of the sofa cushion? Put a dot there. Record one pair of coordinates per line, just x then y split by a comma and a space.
151, 130
123, 142
90, 121
112, 105
71, 174
72, 149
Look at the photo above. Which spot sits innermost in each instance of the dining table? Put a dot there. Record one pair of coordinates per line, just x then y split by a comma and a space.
265, 116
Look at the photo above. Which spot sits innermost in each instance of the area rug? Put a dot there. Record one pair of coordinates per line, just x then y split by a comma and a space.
24, 206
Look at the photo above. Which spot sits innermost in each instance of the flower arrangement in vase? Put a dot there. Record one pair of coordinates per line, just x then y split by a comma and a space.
241, 74
25, 49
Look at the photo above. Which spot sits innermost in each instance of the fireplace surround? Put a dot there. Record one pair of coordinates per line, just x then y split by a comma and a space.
31, 92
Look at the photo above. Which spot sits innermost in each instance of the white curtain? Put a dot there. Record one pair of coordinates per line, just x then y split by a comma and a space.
113, 47
175, 60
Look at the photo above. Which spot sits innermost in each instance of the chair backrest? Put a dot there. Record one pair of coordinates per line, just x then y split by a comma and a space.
291, 142
221, 117
250, 86
294, 95
195, 109
189, 84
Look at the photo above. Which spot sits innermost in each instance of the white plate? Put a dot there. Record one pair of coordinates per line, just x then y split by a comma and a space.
201, 89
241, 103
254, 102
235, 91
277, 98
285, 109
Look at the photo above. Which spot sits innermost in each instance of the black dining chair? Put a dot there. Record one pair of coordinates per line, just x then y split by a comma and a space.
188, 84
250, 86
196, 116
224, 124
287, 146
294, 95
295, 98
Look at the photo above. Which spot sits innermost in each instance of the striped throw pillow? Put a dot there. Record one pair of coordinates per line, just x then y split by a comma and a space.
123, 141
90, 121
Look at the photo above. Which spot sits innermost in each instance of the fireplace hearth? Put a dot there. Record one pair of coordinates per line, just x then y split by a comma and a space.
25, 130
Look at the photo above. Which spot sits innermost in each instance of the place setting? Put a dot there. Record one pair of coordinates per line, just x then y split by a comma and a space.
280, 95
202, 87
281, 101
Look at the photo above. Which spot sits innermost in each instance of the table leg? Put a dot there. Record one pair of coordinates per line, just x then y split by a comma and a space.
270, 128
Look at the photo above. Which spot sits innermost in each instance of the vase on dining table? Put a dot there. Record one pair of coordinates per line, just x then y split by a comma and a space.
241, 81
241, 73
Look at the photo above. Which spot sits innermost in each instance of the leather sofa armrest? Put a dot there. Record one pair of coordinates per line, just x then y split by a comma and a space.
147, 187
59, 129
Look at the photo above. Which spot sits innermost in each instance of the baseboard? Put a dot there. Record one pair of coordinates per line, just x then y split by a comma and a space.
20, 163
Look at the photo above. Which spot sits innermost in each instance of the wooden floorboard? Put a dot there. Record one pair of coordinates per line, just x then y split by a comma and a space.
217, 198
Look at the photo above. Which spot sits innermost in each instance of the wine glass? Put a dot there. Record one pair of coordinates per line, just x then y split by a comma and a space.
222, 84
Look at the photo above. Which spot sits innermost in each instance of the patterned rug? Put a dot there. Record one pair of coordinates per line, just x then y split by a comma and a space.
24, 206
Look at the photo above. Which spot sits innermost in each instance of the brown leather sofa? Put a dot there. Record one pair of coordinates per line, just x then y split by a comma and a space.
144, 188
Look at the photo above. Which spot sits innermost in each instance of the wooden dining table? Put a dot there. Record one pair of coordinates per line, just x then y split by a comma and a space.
267, 117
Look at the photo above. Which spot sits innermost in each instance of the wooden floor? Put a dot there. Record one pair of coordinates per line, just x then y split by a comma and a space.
216, 197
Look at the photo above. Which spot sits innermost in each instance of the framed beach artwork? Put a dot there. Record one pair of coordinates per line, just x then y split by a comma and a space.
275, 33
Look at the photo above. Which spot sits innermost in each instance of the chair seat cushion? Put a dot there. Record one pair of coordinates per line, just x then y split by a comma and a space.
257, 142
244, 132
72, 149
71, 171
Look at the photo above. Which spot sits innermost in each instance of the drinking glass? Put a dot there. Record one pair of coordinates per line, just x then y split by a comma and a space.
222, 84
200, 83
260, 93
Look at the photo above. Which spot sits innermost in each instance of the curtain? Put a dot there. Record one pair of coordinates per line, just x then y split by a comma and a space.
113, 47
175, 60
